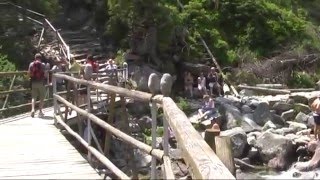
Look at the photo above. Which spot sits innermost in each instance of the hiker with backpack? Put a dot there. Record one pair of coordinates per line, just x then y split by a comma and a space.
37, 75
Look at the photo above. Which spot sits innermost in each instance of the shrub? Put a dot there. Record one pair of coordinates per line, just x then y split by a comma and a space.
184, 105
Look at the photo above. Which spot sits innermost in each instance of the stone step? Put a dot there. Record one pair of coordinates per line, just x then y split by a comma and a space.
79, 41
96, 49
88, 45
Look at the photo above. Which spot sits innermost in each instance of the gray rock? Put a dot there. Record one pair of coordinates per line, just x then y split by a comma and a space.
310, 123
302, 118
262, 114
248, 124
299, 107
246, 92
299, 99
304, 132
271, 144
278, 120
251, 140
297, 126
256, 134
253, 153
141, 159
282, 106
292, 137
138, 108
196, 69
246, 109
288, 115
284, 131
232, 116
238, 139
141, 76
175, 154
179, 169
145, 122
269, 125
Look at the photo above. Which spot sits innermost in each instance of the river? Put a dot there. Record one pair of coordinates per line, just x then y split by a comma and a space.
279, 175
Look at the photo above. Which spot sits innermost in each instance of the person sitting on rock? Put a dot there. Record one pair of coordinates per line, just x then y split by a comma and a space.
208, 107
202, 84
315, 107
188, 83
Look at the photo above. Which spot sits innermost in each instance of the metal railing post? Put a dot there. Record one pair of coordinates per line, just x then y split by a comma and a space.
55, 103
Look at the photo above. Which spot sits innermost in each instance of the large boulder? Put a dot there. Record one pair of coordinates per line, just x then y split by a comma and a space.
302, 118
297, 126
262, 114
299, 107
248, 124
299, 99
271, 144
196, 69
282, 106
141, 76
238, 140
288, 115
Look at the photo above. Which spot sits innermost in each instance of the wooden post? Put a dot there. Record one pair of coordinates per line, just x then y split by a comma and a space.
210, 135
55, 103
153, 83
165, 87
110, 121
7, 96
88, 120
224, 152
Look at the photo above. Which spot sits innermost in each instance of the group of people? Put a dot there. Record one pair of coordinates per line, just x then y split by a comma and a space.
39, 74
206, 85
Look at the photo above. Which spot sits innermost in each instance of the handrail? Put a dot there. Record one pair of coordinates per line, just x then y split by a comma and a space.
197, 154
58, 36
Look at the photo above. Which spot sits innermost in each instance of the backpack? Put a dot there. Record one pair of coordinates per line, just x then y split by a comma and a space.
95, 66
37, 72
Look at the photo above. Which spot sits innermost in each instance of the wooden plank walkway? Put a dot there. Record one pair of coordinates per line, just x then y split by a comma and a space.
33, 148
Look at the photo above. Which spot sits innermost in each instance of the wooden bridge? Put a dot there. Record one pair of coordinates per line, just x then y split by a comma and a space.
34, 148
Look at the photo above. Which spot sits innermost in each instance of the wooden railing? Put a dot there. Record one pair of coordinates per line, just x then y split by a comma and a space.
47, 26
14, 76
203, 162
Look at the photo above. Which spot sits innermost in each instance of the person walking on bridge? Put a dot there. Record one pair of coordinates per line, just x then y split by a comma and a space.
37, 77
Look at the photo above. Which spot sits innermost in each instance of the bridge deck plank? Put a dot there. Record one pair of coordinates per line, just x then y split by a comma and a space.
33, 148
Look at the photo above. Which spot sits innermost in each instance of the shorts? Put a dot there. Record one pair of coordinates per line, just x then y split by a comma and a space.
38, 90
316, 119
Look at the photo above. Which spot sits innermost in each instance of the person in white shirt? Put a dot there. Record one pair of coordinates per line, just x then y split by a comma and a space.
202, 84
58, 69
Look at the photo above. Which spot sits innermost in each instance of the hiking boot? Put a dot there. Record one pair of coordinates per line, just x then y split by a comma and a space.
32, 114
40, 115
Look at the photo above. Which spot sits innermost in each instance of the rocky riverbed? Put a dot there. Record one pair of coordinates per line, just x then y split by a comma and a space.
271, 135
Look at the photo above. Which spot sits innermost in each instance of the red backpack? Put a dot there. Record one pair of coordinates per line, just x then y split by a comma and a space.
95, 66
37, 71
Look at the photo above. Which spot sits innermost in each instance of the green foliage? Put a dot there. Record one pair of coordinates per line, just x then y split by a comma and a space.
47, 7
5, 66
302, 80
184, 105
246, 77
256, 27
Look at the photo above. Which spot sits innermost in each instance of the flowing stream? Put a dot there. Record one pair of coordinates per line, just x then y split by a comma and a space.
289, 174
